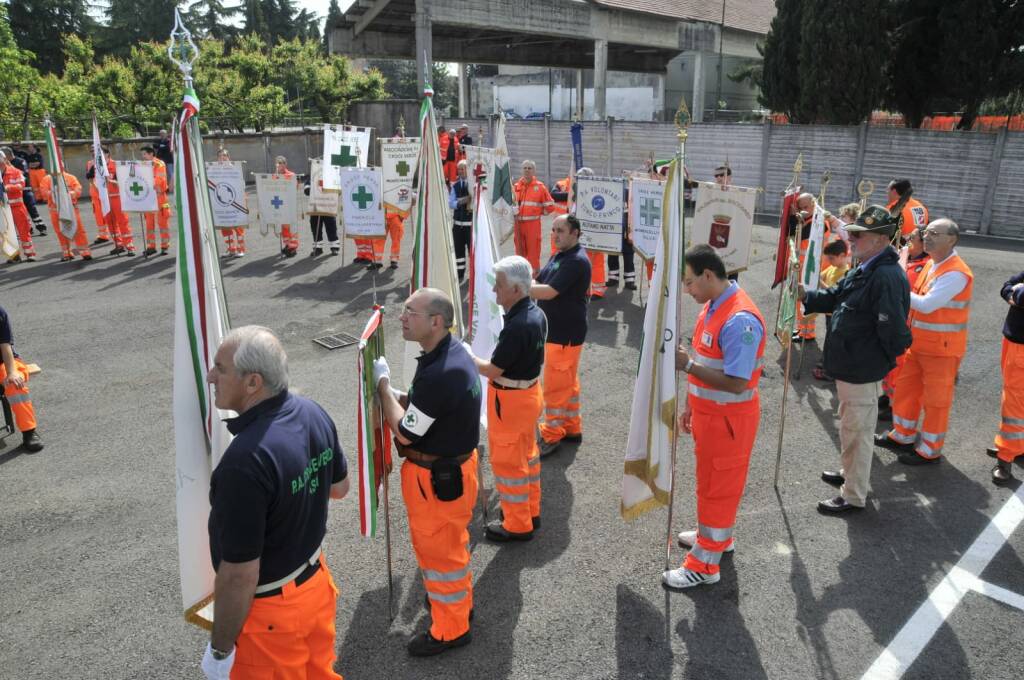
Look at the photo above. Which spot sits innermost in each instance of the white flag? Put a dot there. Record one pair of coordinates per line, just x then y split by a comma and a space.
362, 207
810, 274
398, 162
226, 185
645, 196
724, 219
138, 193
320, 202
99, 161
8, 236
277, 198
647, 478
486, 321
499, 180
344, 147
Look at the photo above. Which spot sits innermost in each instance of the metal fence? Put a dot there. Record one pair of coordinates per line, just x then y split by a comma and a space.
976, 178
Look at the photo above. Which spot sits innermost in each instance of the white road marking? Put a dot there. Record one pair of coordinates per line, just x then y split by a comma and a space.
961, 579
782, 549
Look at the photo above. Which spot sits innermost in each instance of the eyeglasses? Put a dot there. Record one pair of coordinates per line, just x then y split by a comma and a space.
407, 311
929, 232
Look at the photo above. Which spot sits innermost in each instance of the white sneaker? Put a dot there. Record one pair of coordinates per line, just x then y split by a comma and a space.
687, 539
239, 254
685, 578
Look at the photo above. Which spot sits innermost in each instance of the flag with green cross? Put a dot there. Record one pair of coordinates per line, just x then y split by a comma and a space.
398, 163
344, 147
362, 204
135, 179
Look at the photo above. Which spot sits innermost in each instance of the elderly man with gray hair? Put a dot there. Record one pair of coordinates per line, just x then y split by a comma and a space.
515, 402
274, 598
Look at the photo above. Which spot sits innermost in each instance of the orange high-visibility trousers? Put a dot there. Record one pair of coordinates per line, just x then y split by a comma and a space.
289, 237
889, 381
515, 460
526, 238
364, 249
18, 397
395, 229
118, 223
1010, 438
103, 231
234, 239
161, 217
926, 380
440, 539
81, 241
722, 445
561, 392
597, 274
290, 636
23, 227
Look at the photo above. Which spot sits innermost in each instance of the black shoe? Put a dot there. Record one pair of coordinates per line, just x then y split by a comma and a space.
66, 258
117, 250
290, 252
129, 253
1001, 473
335, 251
163, 251
100, 241
496, 532
360, 260
31, 441
86, 257
630, 285
149, 251
883, 441
425, 645
915, 458
573, 438
42, 232
611, 283
836, 506
992, 452
317, 252
833, 478
393, 265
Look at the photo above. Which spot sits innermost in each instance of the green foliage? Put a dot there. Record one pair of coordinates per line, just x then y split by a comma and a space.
213, 19
36, 22
130, 22
780, 77
333, 18
401, 82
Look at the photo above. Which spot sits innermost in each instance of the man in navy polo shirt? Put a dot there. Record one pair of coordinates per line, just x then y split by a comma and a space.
437, 428
562, 292
274, 599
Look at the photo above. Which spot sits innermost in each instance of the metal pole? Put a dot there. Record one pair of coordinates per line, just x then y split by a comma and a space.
782, 415
721, 38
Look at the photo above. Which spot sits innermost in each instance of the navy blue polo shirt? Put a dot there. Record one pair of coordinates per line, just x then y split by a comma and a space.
443, 416
6, 334
569, 273
520, 349
269, 493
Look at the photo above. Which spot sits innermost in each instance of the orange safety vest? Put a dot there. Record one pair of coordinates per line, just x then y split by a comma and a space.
915, 215
46, 189
443, 140
534, 199
708, 352
14, 184
944, 331
113, 190
160, 183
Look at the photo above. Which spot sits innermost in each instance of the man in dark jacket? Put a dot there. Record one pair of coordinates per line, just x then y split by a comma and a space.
868, 330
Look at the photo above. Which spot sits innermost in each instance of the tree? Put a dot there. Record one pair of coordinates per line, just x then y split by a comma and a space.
39, 24
130, 22
333, 19
840, 86
213, 19
914, 81
17, 81
401, 82
780, 77
255, 22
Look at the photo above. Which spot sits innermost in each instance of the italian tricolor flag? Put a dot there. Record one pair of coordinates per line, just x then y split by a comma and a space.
374, 443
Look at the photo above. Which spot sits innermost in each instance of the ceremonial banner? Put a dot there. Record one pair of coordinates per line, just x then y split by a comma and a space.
433, 251
600, 207
398, 165
137, 189
499, 176
374, 442
320, 202
277, 197
226, 185
645, 214
200, 323
99, 161
647, 473
782, 250
59, 186
785, 316
724, 219
810, 274
8, 235
361, 205
485, 319
344, 147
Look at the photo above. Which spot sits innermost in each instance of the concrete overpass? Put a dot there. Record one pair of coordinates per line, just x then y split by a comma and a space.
621, 35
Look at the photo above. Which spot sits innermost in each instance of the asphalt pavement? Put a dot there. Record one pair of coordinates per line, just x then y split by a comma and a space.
88, 542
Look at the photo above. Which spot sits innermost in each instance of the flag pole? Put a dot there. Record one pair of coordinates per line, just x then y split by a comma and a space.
826, 177
384, 477
793, 284
682, 120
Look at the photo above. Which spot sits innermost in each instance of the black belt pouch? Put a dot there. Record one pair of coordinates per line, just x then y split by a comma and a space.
446, 478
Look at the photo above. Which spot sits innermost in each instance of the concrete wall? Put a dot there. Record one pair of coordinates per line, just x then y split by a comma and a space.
972, 177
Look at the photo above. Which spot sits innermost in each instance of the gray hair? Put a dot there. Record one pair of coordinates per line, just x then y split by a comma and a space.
258, 350
517, 270
530, 163
584, 172
951, 227
281, 159
7, 151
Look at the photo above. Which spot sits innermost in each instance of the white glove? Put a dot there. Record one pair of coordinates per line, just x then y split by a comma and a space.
380, 370
217, 670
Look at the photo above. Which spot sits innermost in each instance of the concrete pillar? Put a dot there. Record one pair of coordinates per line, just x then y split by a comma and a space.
463, 90
600, 79
697, 114
579, 94
659, 98
424, 46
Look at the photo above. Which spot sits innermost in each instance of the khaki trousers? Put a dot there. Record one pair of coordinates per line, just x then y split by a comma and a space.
858, 413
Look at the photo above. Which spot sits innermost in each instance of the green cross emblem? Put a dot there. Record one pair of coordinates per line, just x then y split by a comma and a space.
650, 212
502, 186
362, 197
402, 168
343, 158
136, 189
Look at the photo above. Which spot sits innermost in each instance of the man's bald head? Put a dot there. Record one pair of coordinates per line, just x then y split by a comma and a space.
805, 201
437, 302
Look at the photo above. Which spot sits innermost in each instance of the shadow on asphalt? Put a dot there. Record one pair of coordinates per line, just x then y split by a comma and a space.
603, 321
642, 647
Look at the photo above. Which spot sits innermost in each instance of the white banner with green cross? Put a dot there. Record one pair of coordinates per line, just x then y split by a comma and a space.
344, 147
362, 204
398, 160
135, 180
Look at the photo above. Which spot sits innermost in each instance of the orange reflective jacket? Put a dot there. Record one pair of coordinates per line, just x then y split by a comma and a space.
533, 198
944, 331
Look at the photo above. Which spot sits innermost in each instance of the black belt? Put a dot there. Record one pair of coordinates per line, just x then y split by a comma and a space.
299, 580
503, 387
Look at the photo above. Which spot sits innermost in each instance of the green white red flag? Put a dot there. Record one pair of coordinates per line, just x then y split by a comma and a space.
373, 442
200, 323
59, 186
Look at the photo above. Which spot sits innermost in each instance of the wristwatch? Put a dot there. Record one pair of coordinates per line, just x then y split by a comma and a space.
689, 365
218, 654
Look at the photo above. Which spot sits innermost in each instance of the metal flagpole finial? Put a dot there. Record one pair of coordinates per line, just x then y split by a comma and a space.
182, 50
682, 119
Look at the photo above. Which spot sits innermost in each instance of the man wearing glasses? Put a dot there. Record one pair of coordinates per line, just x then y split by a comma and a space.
868, 330
940, 307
